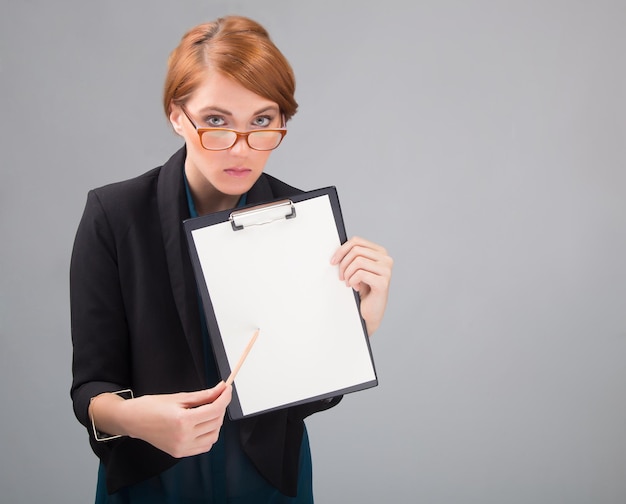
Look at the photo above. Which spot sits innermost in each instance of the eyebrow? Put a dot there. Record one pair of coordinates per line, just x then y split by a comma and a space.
220, 110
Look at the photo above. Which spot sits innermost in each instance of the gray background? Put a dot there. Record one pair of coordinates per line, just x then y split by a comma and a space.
482, 142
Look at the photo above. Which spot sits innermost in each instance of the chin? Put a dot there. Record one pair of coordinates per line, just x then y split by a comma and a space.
237, 187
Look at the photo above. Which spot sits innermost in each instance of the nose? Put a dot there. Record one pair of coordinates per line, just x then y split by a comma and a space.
240, 147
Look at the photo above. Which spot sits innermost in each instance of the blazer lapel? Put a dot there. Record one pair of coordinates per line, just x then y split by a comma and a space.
173, 210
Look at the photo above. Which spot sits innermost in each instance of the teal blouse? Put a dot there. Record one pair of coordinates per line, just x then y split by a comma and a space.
223, 475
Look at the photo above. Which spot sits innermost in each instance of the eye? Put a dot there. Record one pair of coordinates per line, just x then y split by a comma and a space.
215, 121
262, 121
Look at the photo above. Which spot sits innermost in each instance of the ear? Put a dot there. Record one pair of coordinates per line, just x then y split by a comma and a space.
176, 119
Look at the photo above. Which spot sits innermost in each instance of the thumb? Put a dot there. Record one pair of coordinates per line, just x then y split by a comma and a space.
201, 397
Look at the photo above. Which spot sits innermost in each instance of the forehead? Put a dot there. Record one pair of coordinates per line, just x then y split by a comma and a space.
221, 92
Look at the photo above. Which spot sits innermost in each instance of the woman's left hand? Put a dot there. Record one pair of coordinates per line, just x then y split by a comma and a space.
366, 267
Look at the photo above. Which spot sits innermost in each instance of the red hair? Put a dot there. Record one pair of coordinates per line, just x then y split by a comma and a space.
237, 47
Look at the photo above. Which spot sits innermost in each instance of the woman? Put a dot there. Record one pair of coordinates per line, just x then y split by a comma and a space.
143, 371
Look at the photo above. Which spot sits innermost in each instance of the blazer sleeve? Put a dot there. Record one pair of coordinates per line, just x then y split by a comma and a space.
98, 322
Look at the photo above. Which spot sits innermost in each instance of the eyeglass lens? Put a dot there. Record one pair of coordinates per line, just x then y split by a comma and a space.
224, 139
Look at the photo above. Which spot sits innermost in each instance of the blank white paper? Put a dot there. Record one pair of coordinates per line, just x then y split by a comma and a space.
277, 277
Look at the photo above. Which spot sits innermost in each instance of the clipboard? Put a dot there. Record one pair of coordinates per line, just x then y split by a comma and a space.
268, 267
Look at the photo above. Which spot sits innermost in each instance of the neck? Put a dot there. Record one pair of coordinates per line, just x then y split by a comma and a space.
206, 204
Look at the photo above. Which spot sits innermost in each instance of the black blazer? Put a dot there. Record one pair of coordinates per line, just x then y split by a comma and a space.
136, 321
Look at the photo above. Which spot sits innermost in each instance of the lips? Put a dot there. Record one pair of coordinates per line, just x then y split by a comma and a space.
238, 172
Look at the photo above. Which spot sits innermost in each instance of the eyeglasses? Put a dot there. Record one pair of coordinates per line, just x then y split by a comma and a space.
216, 139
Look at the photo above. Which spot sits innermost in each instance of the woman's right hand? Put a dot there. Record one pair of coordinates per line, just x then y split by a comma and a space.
183, 424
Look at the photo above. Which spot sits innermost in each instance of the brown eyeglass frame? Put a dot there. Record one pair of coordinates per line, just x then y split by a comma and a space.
244, 134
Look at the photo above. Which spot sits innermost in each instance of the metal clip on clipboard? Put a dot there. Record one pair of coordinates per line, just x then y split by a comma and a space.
262, 214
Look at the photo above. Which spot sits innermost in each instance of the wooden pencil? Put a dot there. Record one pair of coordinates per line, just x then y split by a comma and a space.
245, 353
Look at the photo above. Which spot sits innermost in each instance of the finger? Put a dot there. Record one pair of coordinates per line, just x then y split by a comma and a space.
215, 413
378, 254
206, 417
215, 409
202, 444
225, 396
201, 397
205, 442
341, 252
352, 242
209, 439
212, 425
378, 268
356, 253
374, 281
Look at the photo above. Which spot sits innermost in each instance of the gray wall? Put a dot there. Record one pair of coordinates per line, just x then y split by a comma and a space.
483, 143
